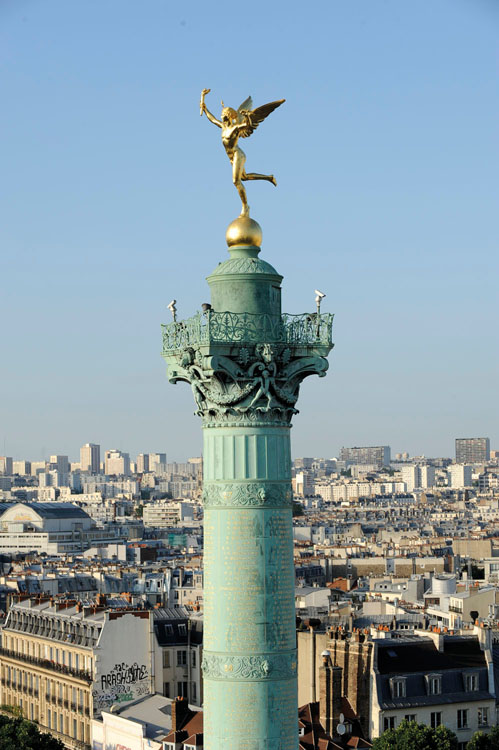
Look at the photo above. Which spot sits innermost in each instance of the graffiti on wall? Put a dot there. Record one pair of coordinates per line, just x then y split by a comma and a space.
124, 682
123, 674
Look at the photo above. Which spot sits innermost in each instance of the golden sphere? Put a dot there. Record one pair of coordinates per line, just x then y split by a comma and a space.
244, 231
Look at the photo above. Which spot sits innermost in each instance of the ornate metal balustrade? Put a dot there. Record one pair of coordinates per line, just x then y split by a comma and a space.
308, 329
80, 674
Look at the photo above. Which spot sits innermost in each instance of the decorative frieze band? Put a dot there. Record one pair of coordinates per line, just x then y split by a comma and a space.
247, 495
281, 666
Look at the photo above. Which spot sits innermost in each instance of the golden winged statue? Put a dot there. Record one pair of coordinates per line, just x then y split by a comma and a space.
240, 124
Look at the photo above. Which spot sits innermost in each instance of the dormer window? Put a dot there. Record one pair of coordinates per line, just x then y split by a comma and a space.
471, 682
397, 685
434, 684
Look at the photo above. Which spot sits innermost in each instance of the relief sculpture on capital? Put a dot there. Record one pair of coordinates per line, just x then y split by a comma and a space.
258, 384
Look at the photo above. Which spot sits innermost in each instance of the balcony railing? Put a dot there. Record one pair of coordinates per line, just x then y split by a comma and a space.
308, 329
80, 674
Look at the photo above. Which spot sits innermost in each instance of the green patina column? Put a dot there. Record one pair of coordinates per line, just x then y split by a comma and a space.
245, 362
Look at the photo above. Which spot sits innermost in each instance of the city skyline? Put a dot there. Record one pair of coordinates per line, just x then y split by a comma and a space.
395, 221
177, 458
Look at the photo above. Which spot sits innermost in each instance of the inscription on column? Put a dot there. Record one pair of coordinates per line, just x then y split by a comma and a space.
249, 585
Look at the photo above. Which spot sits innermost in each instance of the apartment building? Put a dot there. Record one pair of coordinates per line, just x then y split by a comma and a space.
378, 455
472, 450
63, 662
179, 650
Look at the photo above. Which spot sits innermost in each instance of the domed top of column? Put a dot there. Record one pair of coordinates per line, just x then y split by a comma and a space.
244, 239
245, 283
244, 232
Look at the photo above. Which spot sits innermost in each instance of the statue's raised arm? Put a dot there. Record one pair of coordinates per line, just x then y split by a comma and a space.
241, 123
204, 108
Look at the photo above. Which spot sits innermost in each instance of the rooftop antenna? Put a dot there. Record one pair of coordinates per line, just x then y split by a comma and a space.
319, 296
172, 308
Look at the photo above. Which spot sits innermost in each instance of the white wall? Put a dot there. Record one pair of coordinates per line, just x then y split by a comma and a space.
124, 665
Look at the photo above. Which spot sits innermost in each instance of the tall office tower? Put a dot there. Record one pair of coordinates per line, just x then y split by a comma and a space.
60, 463
142, 463
21, 467
5, 465
472, 450
378, 455
157, 461
117, 463
38, 467
90, 458
245, 362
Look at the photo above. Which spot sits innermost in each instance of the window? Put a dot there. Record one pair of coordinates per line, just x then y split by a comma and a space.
434, 684
462, 745
193, 659
182, 628
193, 692
410, 717
398, 688
435, 719
462, 718
166, 689
483, 716
471, 682
182, 689
388, 723
166, 658
181, 658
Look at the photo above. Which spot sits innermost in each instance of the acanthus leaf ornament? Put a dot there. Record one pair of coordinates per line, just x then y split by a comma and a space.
247, 495
272, 666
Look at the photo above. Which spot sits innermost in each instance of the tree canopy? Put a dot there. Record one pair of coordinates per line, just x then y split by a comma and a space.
18, 733
412, 736
482, 741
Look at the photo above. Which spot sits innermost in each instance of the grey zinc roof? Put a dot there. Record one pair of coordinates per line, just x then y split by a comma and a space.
57, 510
415, 660
154, 712
401, 656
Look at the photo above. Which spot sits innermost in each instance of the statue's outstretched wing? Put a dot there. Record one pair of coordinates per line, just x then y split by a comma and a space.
244, 107
254, 117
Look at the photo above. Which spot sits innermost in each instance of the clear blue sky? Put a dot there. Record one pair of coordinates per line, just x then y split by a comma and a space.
115, 196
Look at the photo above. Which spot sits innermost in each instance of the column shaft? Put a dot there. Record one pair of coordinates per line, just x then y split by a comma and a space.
249, 663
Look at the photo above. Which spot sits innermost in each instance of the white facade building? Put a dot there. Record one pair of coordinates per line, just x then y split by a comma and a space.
117, 463
90, 458
460, 476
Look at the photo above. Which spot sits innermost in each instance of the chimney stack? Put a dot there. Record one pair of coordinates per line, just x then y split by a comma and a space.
330, 679
180, 713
